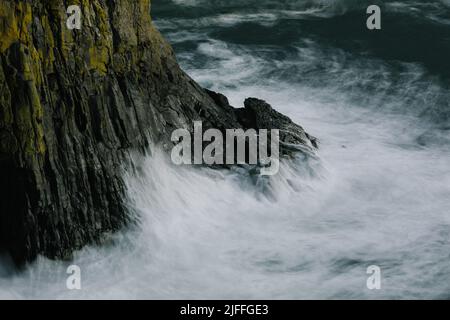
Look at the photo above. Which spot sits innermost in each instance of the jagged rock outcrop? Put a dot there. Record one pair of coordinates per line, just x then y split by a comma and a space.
73, 105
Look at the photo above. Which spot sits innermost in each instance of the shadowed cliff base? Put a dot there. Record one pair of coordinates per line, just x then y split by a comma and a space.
73, 105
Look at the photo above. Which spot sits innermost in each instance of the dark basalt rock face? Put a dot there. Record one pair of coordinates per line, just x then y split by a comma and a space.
74, 104
258, 114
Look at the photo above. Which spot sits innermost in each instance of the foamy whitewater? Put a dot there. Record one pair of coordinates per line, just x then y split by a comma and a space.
377, 194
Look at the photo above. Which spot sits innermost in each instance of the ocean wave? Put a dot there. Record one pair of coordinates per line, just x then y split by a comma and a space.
433, 11
319, 7
328, 22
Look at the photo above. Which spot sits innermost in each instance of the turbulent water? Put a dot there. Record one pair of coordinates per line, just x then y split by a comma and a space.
378, 193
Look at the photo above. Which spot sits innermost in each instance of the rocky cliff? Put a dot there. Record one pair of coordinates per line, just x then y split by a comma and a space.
73, 105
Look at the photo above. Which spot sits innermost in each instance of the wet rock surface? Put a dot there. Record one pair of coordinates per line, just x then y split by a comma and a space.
75, 103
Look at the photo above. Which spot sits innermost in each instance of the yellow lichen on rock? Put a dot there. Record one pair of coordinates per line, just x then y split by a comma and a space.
15, 27
15, 20
98, 59
29, 115
48, 56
